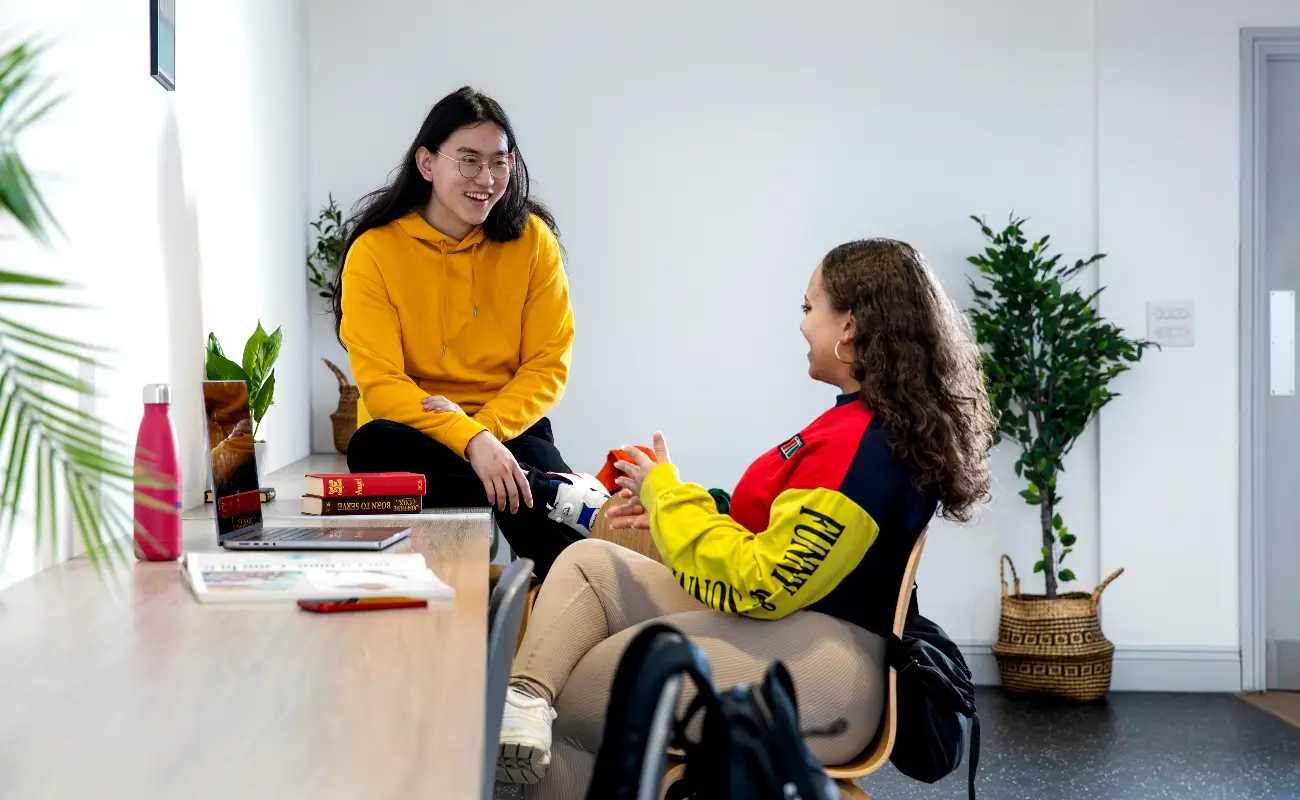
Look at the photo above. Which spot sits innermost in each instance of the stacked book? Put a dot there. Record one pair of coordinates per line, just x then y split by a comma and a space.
340, 494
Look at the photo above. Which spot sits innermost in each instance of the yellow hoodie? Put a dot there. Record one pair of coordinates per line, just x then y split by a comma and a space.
488, 325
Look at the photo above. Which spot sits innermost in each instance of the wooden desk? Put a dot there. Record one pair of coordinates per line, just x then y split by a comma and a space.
140, 692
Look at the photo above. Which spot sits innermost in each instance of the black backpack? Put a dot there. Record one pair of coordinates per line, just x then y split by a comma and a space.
936, 697
744, 742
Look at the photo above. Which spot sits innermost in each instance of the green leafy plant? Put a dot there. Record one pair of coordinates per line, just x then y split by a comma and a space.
78, 463
256, 368
326, 258
1048, 361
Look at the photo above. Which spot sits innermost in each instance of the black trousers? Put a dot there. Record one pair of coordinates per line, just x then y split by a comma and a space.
385, 446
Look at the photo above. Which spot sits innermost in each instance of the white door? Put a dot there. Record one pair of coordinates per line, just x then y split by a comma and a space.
1280, 265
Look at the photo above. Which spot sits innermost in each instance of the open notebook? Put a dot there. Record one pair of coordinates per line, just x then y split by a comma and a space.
269, 577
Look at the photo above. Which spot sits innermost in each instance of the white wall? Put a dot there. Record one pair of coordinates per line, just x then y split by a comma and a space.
249, 134
1169, 169
182, 211
699, 170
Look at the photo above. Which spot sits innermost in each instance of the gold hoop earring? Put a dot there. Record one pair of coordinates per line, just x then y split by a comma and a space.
838, 357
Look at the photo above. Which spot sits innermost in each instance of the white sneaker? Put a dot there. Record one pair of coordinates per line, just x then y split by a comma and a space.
525, 750
577, 499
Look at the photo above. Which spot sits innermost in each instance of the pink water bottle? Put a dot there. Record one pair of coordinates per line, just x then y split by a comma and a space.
157, 525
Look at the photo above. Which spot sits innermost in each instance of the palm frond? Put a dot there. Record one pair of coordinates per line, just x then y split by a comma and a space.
21, 92
51, 349
7, 276
77, 463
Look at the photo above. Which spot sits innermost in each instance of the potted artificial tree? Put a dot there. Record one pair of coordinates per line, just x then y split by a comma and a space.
326, 257
257, 369
1048, 360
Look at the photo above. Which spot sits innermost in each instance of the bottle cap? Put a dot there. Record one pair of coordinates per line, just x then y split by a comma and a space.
155, 393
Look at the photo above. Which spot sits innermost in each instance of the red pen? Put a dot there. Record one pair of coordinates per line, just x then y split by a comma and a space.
361, 604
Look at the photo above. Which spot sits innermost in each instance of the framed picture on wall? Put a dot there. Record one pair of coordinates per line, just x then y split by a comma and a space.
162, 42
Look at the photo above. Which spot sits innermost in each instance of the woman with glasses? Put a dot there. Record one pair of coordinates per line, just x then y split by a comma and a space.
454, 308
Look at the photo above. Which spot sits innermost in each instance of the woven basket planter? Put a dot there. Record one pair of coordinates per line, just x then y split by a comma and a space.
344, 418
1053, 647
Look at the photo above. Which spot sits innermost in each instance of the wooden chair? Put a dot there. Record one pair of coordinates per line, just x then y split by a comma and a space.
637, 540
877, 754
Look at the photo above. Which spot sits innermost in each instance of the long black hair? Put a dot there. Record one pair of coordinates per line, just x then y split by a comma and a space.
408, 190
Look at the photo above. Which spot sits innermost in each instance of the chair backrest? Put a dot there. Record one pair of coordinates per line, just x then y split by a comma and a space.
909, 583
639, 541
882, 747
505, 610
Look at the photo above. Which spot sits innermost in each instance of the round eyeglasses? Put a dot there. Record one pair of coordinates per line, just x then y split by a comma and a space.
471, 165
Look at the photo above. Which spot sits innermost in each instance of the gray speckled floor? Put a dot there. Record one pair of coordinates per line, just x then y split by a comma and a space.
1129, 747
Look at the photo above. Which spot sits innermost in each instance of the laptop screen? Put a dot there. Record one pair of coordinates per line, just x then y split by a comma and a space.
235, 493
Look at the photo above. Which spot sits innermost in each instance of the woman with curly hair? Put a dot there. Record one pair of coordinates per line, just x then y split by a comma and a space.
809, 558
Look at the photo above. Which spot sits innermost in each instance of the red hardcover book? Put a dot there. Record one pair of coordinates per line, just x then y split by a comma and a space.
242, 503
365, 484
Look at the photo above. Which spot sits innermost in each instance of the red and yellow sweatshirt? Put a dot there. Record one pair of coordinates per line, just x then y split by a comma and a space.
486, 324
825, 521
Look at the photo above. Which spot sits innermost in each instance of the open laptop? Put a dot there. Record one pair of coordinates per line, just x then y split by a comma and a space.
236, 496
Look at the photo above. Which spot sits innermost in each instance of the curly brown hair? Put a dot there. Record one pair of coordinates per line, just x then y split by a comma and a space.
919, 369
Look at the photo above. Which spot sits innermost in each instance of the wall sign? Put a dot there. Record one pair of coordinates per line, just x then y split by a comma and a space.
1172, 324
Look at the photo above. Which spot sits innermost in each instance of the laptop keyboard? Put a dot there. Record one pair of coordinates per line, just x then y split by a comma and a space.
281, 534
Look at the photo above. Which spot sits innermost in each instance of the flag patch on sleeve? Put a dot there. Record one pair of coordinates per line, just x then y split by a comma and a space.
791, 446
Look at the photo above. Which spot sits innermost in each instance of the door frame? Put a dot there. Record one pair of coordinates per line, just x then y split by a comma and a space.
1258, 47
